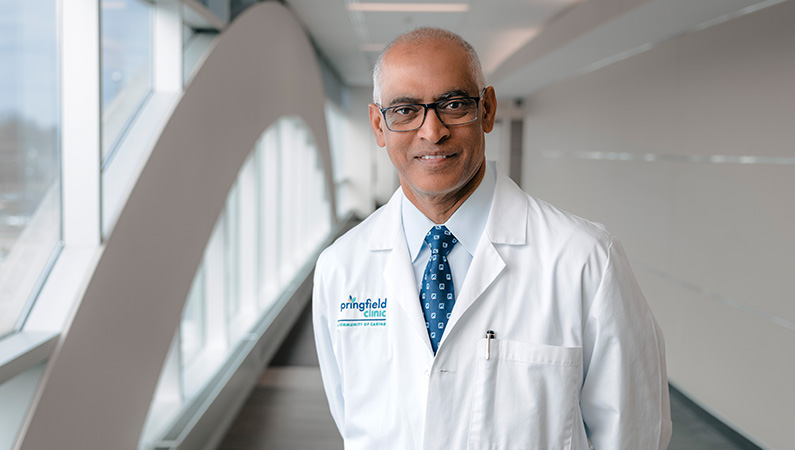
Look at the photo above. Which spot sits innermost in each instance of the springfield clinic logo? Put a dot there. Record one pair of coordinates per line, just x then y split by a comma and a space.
366, 313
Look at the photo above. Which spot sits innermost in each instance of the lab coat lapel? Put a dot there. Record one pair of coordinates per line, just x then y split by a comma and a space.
402, 286
506, 225
485, 267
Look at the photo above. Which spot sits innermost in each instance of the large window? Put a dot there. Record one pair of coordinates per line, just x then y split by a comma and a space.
86, 86
30, 205
278, 196
126, 65
277, 215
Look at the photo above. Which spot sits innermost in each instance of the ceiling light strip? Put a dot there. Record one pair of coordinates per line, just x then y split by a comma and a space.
357, 22
408, 7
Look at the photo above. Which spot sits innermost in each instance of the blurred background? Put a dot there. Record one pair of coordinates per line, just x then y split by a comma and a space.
157, 157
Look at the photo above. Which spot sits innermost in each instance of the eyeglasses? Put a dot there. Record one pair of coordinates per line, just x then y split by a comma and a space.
450, 111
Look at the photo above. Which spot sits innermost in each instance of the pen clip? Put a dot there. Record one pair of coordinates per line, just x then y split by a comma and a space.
489, 337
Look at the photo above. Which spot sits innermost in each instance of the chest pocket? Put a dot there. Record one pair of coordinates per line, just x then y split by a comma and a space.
526, 396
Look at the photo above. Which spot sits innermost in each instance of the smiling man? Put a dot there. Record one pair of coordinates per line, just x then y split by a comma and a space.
466, 314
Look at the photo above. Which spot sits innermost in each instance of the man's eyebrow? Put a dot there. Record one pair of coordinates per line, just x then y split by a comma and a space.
411, 100
452, 94
403, 101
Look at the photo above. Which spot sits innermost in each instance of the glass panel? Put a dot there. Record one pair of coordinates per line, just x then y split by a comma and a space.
232, 250
126, 65
270, 185
192, 329
249, 238
16, 396
337, 137
215, 285
218, 7
200, 367
29, 151
187, 34
196, 43
287, 200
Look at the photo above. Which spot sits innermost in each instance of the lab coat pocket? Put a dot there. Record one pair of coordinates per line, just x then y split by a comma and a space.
525, 396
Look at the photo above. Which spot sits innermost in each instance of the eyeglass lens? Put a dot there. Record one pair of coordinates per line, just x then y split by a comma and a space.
457, 111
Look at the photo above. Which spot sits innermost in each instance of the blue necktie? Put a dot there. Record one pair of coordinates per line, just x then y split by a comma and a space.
437, 293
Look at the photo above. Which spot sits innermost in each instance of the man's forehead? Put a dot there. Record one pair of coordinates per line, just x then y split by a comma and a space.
425, 71
426, 43
426, 51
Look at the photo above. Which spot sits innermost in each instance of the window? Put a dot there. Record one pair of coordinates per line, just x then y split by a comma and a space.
30, 205
196, 42
126, 29
192, 327
270, 251
278, 196
245, 255
218, 7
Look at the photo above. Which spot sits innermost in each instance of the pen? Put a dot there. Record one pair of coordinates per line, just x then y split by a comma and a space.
489, 337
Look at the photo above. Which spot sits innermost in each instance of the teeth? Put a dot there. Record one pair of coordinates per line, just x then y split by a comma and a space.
434, 157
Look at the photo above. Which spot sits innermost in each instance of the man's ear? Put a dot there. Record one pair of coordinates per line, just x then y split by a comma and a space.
489, 109
376, 119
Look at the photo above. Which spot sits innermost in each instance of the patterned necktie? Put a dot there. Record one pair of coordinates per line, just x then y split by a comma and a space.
437, 293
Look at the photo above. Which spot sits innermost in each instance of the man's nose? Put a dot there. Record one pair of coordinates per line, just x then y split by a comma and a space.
433, 129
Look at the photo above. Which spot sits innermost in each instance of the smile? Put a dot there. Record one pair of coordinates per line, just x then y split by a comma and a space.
434, 156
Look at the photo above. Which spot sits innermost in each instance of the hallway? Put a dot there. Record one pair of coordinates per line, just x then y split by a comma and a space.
287, 409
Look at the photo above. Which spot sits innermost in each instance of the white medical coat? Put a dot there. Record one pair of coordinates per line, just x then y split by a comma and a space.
577, 354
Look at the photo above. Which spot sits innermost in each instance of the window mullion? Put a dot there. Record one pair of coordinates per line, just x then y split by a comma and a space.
80, 118
168, 46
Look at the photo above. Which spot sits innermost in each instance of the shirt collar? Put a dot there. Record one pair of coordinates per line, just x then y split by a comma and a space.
467, 222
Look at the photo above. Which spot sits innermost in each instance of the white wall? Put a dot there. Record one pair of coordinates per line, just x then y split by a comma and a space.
686, 152
497, 144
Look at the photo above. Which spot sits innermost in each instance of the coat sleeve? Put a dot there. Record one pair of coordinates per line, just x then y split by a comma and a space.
323, 329
624, 399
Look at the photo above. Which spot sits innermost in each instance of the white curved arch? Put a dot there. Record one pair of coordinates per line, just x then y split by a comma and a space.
100, 381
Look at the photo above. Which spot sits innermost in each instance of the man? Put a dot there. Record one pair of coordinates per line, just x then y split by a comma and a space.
465, 314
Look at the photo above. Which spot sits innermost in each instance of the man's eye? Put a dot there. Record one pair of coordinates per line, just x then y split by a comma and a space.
405, 110
453, 105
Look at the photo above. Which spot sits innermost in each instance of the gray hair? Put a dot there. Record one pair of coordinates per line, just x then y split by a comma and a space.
425, 34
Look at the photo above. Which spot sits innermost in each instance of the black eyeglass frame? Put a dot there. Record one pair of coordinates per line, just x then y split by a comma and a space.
433, 106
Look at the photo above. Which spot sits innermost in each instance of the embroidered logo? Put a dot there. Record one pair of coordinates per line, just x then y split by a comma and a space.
366, 313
